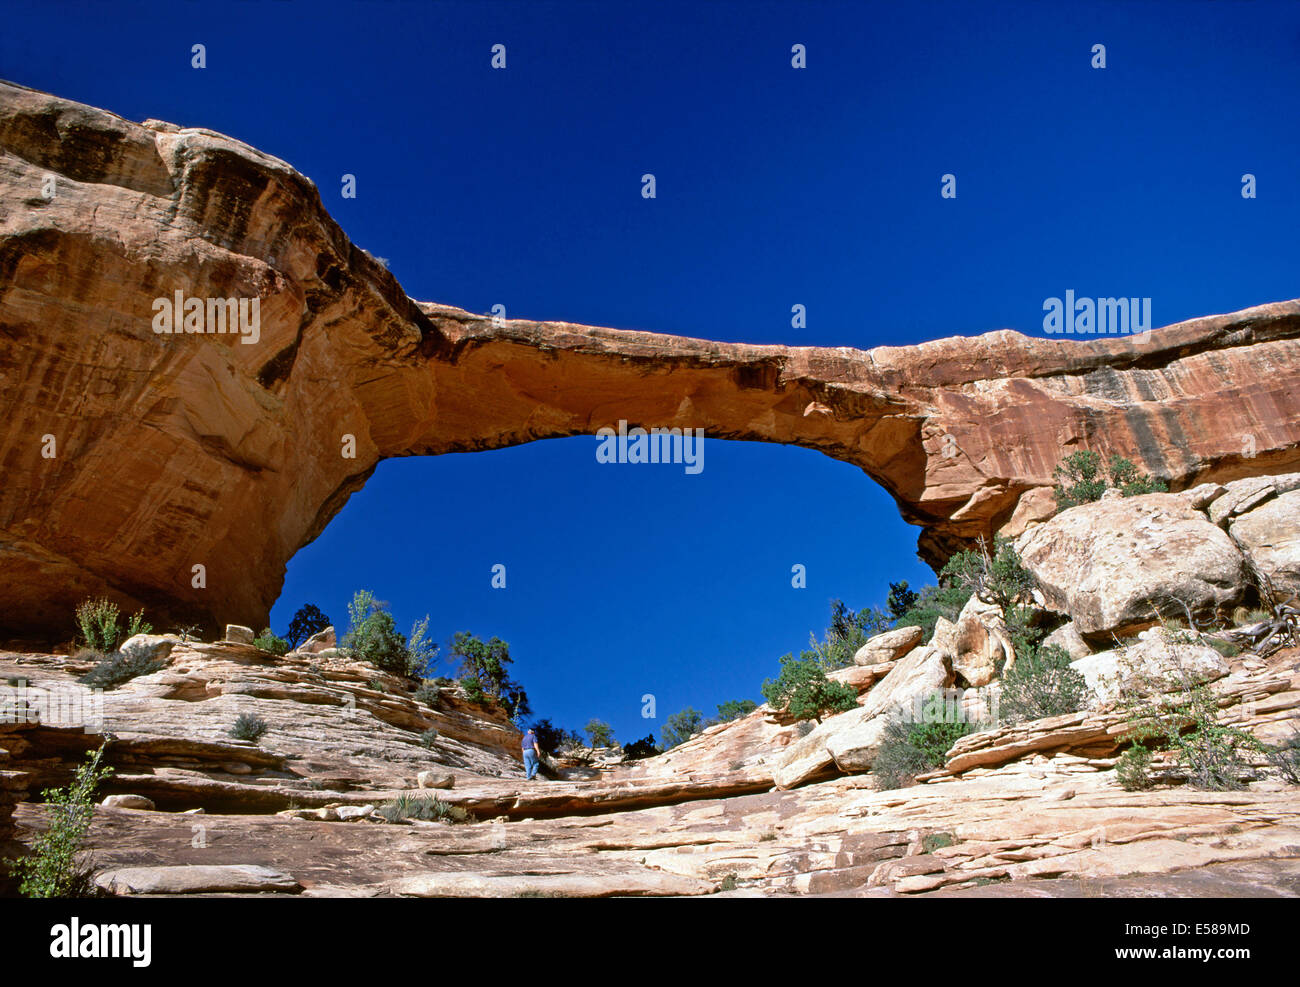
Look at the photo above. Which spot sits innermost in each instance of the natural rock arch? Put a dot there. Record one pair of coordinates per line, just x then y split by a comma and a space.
176, 450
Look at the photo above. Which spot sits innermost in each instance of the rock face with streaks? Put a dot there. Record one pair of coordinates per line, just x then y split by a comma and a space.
134, 455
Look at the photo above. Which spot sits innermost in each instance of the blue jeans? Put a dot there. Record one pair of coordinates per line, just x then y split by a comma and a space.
530, 764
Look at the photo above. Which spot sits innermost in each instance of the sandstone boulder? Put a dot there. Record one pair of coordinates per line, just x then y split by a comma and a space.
860, 677
1113, 564
127, 802
1242, 496
194, 879
319, 642
981, 643
436, 779
1157, 662
1271, 533
350, 813
1202, 495
155, 647
1067, 636
849, 741
888, 646
238, 634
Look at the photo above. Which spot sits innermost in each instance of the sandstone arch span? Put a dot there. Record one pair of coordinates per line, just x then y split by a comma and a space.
176, 450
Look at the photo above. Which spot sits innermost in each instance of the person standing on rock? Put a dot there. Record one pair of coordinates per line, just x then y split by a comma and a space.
532, 755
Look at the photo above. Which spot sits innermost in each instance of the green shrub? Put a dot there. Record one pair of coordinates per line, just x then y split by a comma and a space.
1079, 479
428, 693
849, 630
1025, 632
423, 807
1286, 758
600, 733
267, 641
638, 749
1127, 480
681, 727
735, 709
1133, 769
937, 841
248, 727
552, 739
307, 621
429, 737
1216, 757
909, 748
119, 667
97, 620
473, 690
1041, 684
1225, 648
51, 870
804, 691
728, 883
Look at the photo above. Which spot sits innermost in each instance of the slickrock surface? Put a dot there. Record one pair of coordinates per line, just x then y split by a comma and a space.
172, 451
1013, 804
1046, 818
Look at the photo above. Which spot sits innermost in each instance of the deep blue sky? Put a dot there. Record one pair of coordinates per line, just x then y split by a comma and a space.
775, 186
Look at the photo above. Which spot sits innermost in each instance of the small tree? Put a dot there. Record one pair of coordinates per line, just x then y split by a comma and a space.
735, 709
422, 651
1217, 757
900, 600
374, 637
803, 689
997, 577
1077, 479
600, 732
50, 870
487, 661
307, 621
638, 749
681, 727
549, 737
